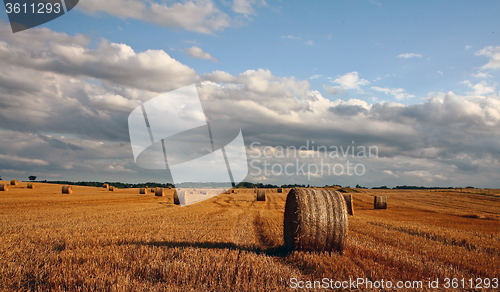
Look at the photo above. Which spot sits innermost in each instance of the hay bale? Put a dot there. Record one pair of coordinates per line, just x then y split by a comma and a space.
176, 198
153, 190
143, 191
232, 191
380, 202
31, 186
67, 190
280, 190
111, 188
261, 195
14, 182
159, 192
4, 187
169, 187
105, 186
228, 192
348, 202
315, 220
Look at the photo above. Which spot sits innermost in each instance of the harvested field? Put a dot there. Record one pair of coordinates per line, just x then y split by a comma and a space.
95, 239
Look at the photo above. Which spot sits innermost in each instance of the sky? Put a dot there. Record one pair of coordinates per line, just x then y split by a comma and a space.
415, 80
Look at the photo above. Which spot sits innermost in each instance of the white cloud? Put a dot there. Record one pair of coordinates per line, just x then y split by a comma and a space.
315, 76
468, 47
482, 75
199, 16
309, 42
440, 73
493, 53
246, 6
22, 160
481, 88
198, 53
398, 93
349, 81
291, 37
410, 55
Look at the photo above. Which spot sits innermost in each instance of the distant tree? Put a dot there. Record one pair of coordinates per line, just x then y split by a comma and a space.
32, 177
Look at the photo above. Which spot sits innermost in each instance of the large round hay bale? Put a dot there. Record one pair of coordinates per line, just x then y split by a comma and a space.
67, 190
153, 190
159, 192
169, 187
30, 186
14, 182
105, 186
380, 202
261, 195
4, 187
315, 220
280, 190
176, 197
111, 188
348, 201
232, 191
143, 191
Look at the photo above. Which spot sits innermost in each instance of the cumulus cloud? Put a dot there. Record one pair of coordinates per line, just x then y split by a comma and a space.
198, 53
409, 55
493, 53
199, 16
246, 6
348, 81
67, 88
481, 88
398, 93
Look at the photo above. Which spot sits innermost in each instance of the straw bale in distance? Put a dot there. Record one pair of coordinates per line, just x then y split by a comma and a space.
315, 220
111, 188
105, 186
31, 186
261, 195
176, 197
380, 202
280, 190
14, 182
159, 192
348, 201
4, 187
143, 191
67, 190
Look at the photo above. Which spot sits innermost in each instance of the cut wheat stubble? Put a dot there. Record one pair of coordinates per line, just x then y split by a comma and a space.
315, 220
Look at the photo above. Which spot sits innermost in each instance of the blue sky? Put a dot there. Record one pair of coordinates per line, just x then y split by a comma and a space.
326, 39
419, 79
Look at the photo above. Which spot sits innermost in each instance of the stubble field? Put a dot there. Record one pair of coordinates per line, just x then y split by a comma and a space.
123, 241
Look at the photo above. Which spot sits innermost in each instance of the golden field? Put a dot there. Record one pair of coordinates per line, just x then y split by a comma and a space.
95, 239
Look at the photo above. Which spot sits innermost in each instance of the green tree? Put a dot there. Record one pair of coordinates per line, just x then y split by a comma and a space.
32, 177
